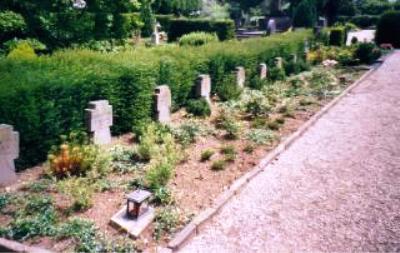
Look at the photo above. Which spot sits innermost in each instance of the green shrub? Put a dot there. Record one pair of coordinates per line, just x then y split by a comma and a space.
219, 165
162, 196
82, 231
228, 89
187, 133
166, 221
305, 14
225, 29
159, 174
199, 107
79, 190
261, 136
22, 51
337, 36
148, 18
277, 74
388, 29
34, 43
367, 53
206, 155
197, 39
12, 25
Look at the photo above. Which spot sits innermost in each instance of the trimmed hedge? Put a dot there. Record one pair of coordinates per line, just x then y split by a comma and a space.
388, 30
337, 36
225, 29
363, 21
46, 97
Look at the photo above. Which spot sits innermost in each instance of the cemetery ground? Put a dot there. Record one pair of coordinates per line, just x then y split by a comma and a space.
74, 213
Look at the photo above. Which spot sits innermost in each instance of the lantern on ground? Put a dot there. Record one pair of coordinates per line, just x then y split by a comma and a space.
134, 203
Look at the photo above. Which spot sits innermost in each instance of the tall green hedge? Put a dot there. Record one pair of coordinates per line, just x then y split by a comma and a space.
225, 29
46, 97
388, 30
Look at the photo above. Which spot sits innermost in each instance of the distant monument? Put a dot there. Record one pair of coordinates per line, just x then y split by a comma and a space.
99, 119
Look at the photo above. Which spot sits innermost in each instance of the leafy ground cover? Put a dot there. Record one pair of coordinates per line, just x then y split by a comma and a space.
186, 165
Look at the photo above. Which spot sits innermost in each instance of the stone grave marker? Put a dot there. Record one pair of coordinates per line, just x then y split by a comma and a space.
263, 71
279, 62
293, 58
203, 87
240, 76
99, 119
163, 102
9, 151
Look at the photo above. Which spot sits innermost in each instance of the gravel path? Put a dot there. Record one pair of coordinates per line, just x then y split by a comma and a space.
336, 189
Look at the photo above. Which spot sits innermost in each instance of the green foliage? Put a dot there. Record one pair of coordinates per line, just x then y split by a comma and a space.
79, 190
82, 231
277, 74
229, 153
199, 107
166, 221
219, 165
11, 25
388, 29
305, 14
50, 94
162, 196
124, 159
226, 120
187, 133
197, 39
337, 36
249, 149
367, 53
147, 17
23, 51
362, 21
261, 136
228, 89
178, 7
159, 174
4, 200
225, 29
34, 43
206, 155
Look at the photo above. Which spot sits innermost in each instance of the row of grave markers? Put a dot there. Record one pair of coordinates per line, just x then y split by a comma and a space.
99, 118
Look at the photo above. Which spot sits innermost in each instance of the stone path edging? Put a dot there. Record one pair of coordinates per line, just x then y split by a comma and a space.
13, 246
195, 225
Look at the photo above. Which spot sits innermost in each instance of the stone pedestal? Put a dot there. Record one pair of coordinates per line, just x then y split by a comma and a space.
134, 227
9, 151
263, 71
240, 76
99, 119
203, 87
163, 102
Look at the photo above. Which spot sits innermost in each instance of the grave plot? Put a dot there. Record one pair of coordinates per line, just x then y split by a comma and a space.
79, 199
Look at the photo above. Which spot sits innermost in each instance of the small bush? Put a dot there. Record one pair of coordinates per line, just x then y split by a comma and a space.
22, 51
79, 190
257, 83
75, 156
305, 14
166, 221
259, 122
367, 53
273, 125
337, 36
187, 133
277, 74
34, 43
228, 89
206, 155
158, 175
11, 25
218, 165
162, 196
227, 121
225, 29
388, 29
82, 231
197, 39
249, 149
199, 107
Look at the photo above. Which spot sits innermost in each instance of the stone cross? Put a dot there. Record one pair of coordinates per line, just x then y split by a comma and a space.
156, 37
203, 87
99, 119
279, 62
263, 71
240, 77
9, 151
163, 102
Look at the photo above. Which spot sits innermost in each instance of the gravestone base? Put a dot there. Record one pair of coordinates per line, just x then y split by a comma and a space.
134, 227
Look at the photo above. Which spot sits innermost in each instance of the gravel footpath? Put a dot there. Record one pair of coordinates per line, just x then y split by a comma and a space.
337, 188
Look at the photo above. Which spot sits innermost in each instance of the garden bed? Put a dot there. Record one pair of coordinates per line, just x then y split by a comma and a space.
210, 153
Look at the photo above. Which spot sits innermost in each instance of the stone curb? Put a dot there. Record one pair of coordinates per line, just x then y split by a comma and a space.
193, 227
13, 246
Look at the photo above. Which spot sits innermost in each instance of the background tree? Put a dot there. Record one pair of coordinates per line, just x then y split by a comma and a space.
305, 14
148, 18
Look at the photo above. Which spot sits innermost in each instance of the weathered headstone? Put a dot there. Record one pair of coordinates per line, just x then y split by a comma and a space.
156, 37
240, 76
271, 26
203, 87
9, 151
163, 102
99, 119
263, 70
279, 62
